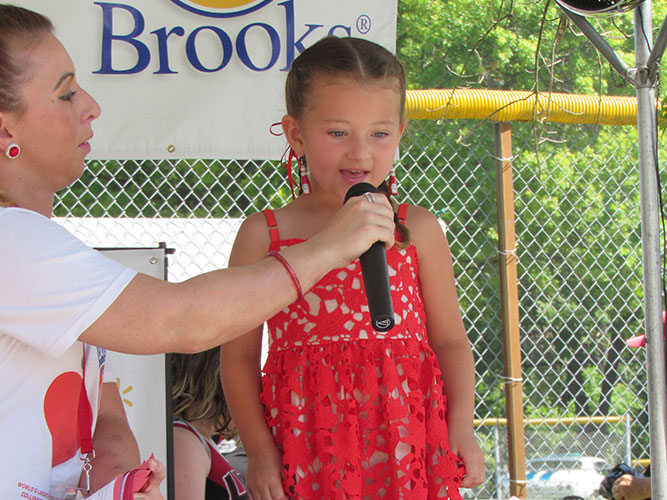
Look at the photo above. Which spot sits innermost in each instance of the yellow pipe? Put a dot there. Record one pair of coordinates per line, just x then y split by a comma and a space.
552, 421
515, 105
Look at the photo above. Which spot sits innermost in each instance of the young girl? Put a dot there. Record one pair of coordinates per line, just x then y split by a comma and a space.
200, 412
342, 410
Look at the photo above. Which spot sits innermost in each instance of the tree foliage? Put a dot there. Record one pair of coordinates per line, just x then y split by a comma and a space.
578, 209
505, 44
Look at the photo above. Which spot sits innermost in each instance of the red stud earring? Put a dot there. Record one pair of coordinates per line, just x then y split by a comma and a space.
393, 183
13, 151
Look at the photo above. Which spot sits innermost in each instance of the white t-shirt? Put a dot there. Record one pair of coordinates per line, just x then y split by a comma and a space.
52, 287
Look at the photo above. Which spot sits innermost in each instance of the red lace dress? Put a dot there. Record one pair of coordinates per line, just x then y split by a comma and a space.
357, 414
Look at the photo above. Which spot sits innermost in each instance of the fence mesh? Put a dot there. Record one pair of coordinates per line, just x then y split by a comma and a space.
578, 247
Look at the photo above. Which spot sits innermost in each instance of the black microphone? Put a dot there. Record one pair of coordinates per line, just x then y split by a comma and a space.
376, 273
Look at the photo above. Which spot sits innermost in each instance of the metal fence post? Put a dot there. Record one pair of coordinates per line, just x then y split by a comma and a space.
628, 439
655, 347
496, 453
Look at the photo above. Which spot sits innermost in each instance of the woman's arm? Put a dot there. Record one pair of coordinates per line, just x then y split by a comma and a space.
240, 372
116, 450
448, 339
153, 316
191, 466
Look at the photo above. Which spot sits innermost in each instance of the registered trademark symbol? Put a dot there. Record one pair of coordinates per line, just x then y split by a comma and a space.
363, 24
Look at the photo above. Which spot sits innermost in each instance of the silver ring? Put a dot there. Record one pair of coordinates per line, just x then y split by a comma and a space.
369, 197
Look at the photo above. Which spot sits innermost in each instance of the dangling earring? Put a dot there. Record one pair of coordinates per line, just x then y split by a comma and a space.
13, 151
303, 174
393, 183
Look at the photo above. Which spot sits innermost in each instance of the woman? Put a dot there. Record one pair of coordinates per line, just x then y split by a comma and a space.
62, 304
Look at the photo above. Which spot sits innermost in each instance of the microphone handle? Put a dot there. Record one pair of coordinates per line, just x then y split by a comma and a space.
378, 291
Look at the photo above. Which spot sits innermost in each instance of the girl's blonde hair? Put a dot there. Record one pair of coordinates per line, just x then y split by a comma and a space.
348, 57
196, 390
357, 58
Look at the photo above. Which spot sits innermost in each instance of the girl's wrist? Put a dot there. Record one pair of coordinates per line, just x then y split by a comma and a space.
461, 424
260, 449
258, 442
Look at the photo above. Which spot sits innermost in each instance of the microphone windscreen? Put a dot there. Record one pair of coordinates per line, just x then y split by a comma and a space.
359, 189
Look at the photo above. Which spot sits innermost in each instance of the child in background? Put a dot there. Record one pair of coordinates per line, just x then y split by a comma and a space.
200, 413
343, 411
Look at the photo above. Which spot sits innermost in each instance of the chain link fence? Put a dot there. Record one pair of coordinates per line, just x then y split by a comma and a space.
578, 247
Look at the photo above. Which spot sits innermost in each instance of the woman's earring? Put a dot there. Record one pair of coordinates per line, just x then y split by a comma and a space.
303, 175
13, 151
393, 183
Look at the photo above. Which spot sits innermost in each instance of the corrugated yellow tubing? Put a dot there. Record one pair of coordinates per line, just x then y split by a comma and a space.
515, 105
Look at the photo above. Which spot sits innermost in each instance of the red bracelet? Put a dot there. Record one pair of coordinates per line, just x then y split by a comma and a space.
290, 270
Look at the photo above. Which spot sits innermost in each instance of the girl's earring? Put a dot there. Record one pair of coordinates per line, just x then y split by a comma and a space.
303, 175
393, 183
13, 151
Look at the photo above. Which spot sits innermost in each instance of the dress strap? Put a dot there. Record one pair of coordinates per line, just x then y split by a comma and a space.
402, 212
273, 225
188, 426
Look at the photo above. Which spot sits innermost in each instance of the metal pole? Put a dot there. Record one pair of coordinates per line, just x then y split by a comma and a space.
659, 46
628, 439
655, 348
600, 43
496, 441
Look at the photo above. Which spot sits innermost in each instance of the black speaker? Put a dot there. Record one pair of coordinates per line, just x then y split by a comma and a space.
598, 7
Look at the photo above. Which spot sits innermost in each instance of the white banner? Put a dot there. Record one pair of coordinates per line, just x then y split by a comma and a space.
198, 78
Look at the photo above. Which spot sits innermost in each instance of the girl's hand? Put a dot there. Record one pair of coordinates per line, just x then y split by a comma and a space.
465, 446
264, 474
152, 490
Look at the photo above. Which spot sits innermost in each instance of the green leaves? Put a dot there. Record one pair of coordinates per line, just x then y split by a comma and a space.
510, 45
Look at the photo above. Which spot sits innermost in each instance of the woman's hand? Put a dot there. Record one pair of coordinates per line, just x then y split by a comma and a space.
264, 475
152, 490
355, 227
